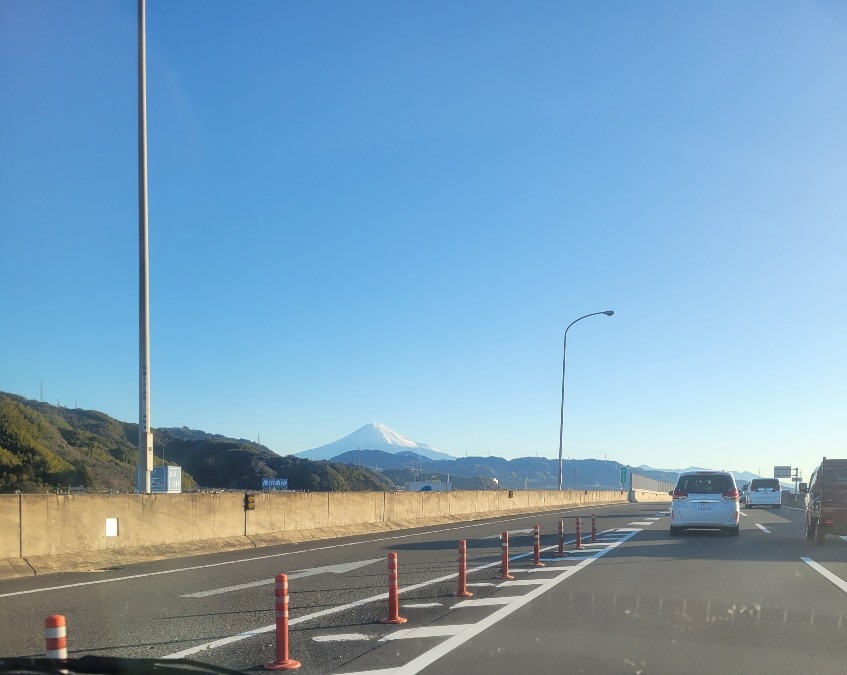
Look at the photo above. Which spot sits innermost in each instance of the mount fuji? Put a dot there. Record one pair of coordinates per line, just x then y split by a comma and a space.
373, 436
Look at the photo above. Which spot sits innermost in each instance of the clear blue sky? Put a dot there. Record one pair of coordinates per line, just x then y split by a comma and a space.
390, 211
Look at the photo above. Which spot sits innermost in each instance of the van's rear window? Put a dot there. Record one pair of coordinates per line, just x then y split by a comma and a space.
764, 484
705, 484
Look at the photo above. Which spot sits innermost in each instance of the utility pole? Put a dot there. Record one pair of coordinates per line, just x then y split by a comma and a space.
145, 433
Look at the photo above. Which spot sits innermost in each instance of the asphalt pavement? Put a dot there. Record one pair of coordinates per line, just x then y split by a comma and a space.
636, 601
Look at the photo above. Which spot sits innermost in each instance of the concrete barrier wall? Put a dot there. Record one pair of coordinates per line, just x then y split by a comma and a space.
10, 526
650, 496
57, 532
59, 524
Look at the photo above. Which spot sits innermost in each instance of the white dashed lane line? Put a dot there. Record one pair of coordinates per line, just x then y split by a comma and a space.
483, 602
519, 582
763, 528
341, 637
826, 574
419, 605
641, 523
743, 514
425, 632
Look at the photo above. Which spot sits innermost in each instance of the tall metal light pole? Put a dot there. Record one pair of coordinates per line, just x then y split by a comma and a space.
145, 435
562, 409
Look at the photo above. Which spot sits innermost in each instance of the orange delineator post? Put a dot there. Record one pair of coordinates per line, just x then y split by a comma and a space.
393, 599
504, 565
561, 552
578, 533
463, 591
55, 637
536, 547
282, 661
593, 529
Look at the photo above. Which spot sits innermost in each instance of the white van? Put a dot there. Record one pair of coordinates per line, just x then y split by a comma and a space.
764, 492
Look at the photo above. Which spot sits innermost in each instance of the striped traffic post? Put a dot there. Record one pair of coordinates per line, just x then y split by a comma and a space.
578, 533
504, 549
55, 637
536, 547
463, 591
282, 661
561, 552
393, 598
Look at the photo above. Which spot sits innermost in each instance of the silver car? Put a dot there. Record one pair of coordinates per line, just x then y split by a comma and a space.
705, 499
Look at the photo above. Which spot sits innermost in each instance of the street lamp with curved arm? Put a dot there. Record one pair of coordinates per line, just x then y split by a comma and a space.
608, 312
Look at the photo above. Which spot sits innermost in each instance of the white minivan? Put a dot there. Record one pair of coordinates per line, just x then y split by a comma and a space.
705, 499
764, 492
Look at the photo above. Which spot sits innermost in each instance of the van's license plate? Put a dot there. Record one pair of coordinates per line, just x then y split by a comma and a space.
704, 507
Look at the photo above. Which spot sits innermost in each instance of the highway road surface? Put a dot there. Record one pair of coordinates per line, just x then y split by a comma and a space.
637, 601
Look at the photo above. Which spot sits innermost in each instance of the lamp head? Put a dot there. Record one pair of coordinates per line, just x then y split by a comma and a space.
609, 312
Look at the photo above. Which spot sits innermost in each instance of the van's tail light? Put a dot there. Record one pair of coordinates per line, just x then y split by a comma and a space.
680, 494
731, 494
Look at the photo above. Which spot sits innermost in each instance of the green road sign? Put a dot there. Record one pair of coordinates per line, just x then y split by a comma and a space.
623, 475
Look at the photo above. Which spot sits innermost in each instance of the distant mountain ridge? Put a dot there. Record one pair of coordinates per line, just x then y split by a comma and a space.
373, 436
531, 472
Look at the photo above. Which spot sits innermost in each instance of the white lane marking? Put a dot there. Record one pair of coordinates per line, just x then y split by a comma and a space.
416, 605
343, 568
564, 558
481, 583
429, 657
342, 637
820, 569
340, 608
424, 632
843, 538
653, 518
628, 529
743, 514
222, 642
514, 533
485, 602
518, 582
641, 522
763, 528
288, 553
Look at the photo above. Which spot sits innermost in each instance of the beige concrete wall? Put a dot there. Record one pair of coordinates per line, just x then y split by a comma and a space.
650, 496
355, 508
213, 516
10, 526
36, 528
59, 524
403, 506
287, 512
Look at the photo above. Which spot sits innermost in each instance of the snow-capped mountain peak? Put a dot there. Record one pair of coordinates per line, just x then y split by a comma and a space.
373, 436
